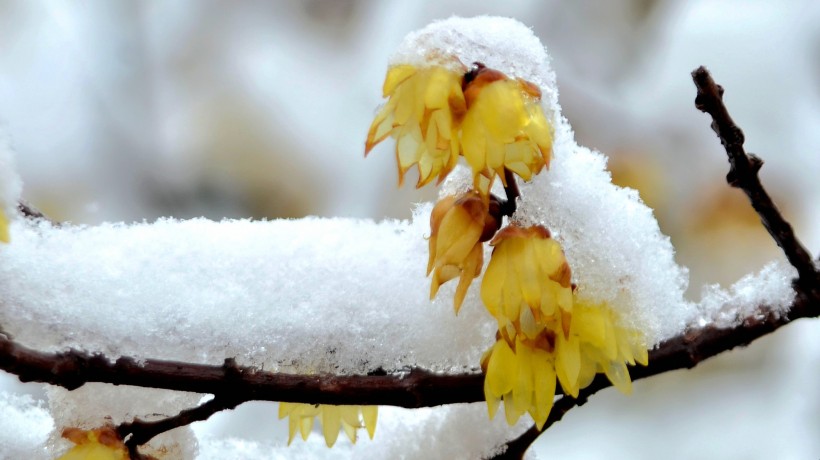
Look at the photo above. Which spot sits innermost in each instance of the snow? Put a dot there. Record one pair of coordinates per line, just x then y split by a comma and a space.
24, 427
768, 291
269, 293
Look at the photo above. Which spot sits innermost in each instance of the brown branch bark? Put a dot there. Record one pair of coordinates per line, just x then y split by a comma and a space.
410, 388
743, 174
139, 432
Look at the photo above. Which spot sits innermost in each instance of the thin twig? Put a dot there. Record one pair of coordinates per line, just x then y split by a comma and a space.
511, 190
516, 448
743, 174
139, 432
30, 212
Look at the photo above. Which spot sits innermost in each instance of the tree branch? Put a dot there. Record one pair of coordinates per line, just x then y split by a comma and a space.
410, 388
743, 174
139, 432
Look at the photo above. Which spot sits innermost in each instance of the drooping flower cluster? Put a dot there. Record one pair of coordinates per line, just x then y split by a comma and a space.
332, 418
545, 331
548, 333
437, 113
458, 226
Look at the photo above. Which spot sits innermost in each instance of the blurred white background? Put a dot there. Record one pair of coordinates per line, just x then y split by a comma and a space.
136, 110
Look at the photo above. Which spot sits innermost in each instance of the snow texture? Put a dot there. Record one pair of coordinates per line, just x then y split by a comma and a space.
269, 293
769, 291
24, 427
335, 295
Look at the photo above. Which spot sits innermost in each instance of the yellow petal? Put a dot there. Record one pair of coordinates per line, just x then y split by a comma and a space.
457, 236
501, 369
305, 426
568, 363
285, 409
370, 415
471, 269
492, 400
618, 374
522, 390
544, 381
4, 227
473, 142
331, 423
350, 415
350, 431
529, 326
293, 427
395, 76
528, 274
492, 286
511, 413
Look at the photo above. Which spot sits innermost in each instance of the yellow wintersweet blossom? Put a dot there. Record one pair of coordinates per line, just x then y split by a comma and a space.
332, 418
438, 112
546, 332
99, 444
505, 126
458, 226
423, 114
4, 227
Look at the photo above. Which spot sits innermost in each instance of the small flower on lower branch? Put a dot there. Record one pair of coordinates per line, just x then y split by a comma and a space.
546, 331
332, 418
99, 444
4, 227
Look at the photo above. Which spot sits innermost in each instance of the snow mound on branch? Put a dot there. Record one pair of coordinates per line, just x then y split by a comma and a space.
304, 296
768, 291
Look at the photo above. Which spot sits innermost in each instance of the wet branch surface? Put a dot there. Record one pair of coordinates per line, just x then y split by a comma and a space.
232, 384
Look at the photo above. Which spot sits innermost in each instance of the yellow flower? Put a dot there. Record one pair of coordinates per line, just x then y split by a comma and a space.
437, 113
458, 226
100, 444
546, 331
4, 227
423, 114
332, 418
505, 126
527, 269
523, 376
